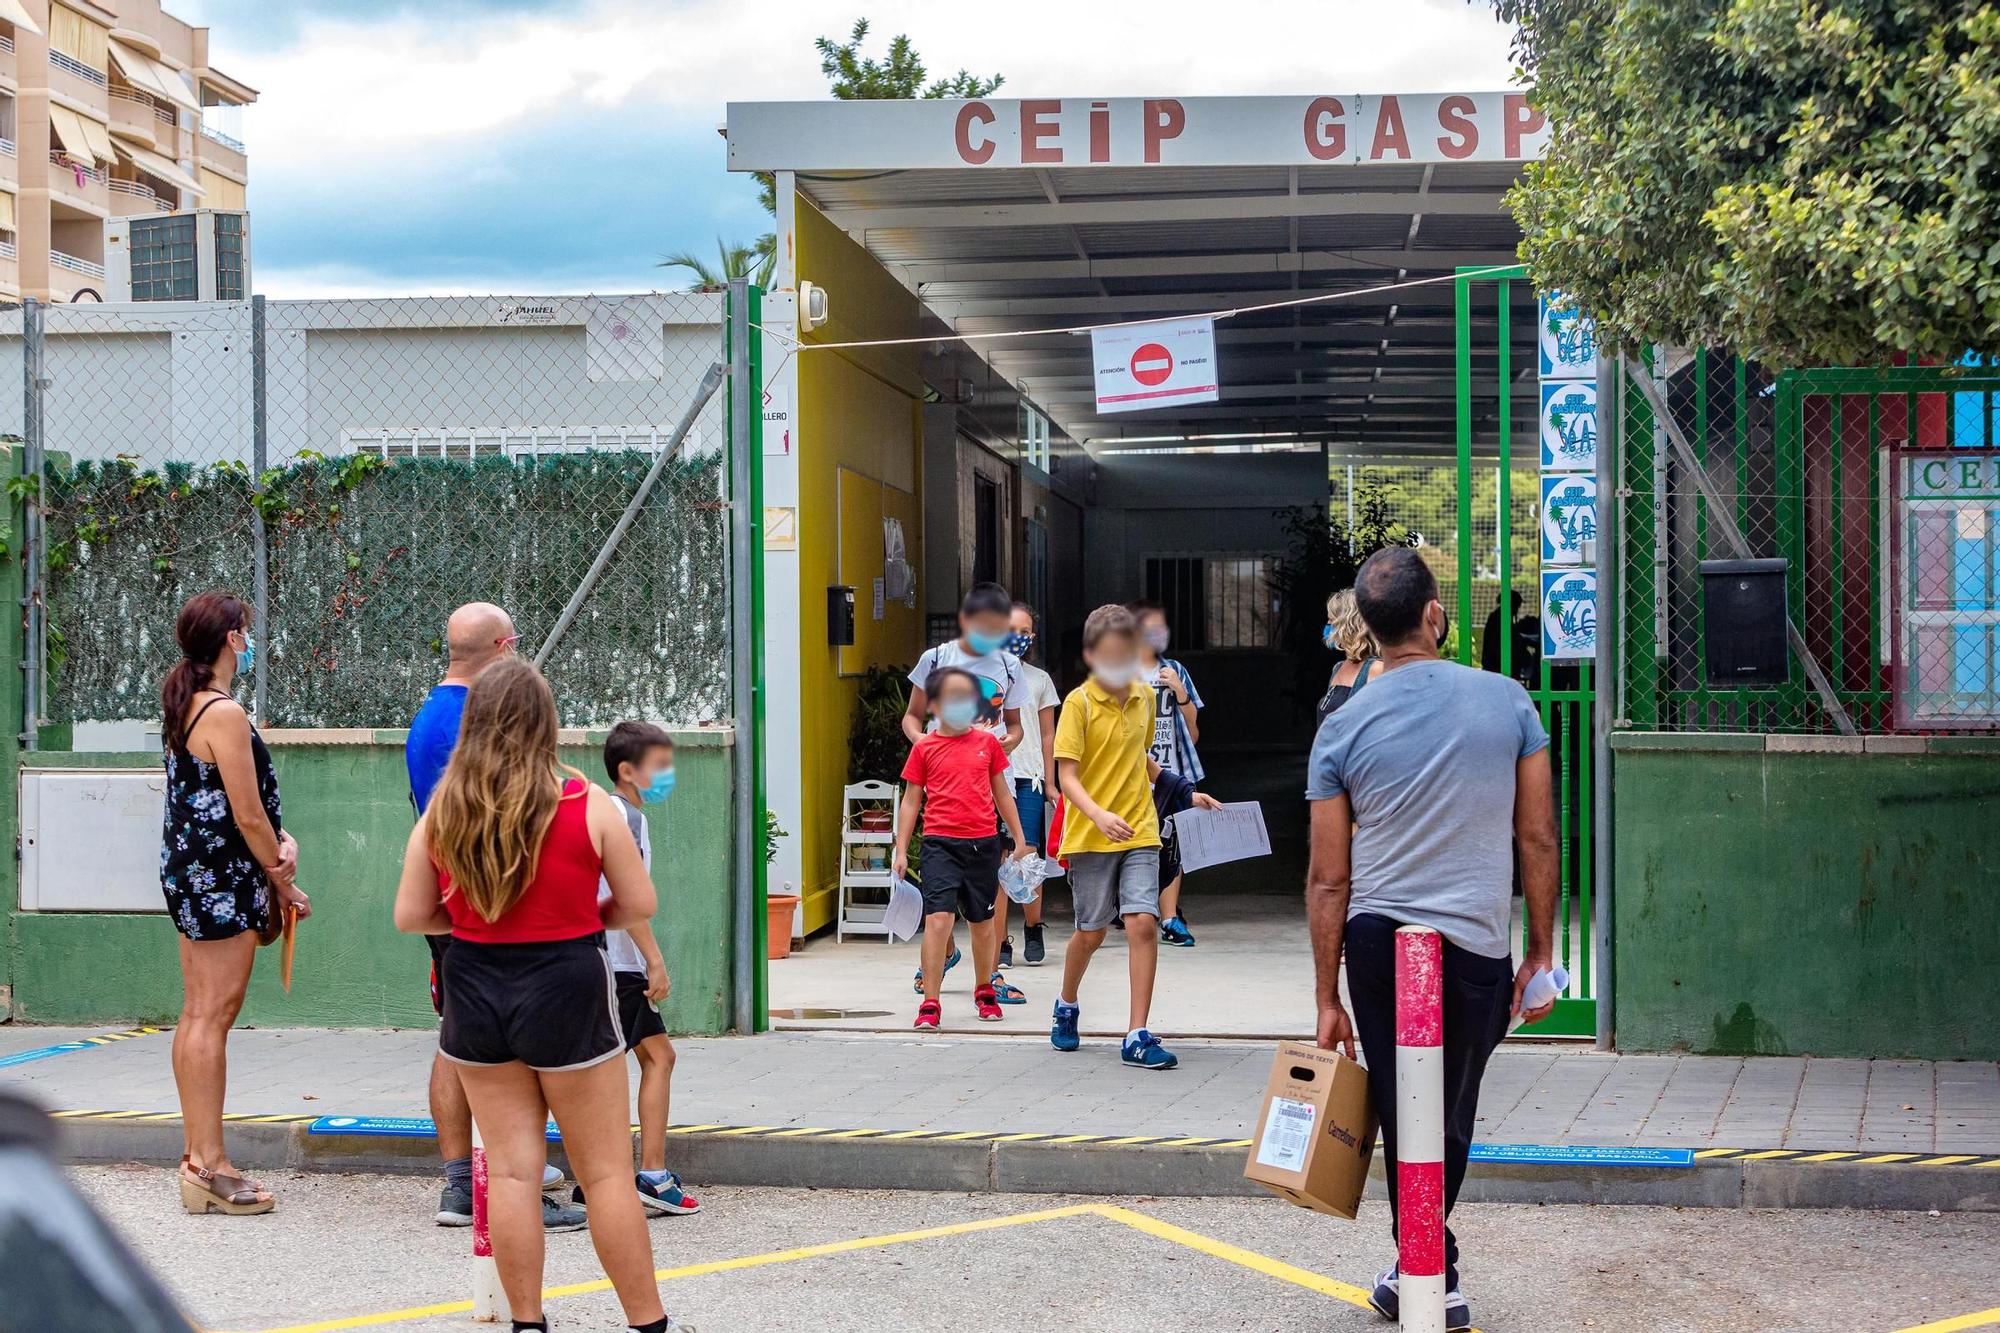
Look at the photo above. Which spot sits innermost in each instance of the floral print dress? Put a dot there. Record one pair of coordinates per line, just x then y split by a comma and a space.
215, 888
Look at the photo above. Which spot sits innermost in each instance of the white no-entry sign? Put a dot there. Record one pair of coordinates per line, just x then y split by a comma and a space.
1154, 365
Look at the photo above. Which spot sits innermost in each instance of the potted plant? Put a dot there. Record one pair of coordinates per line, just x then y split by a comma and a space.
779, 908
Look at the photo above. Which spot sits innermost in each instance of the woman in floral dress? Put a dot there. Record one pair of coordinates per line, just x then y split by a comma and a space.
228, 870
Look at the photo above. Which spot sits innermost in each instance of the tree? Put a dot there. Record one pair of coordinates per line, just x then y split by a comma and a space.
1322, 556
735, 261
1802, 183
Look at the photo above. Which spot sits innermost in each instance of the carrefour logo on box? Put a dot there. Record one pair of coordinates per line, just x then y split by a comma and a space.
1568, 340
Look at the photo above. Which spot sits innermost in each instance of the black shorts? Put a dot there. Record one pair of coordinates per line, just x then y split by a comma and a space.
552, 1006
636, 1014
962, 875
439, 944
1170, 860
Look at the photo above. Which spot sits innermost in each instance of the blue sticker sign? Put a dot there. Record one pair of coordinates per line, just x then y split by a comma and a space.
1569, 518
1568, 340
1569, 426
1581, 1155
1569, 614
43, 1053
387, 1126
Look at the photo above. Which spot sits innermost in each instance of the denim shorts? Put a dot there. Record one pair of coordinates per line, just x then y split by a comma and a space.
1107, 885
1034, 812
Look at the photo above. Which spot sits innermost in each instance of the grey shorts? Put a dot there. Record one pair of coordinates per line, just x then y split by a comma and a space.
1107, 885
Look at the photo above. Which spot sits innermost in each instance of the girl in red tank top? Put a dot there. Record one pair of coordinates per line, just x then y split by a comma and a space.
506, 859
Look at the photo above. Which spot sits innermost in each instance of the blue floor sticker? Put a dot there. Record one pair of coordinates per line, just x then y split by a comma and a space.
43, 1053
1548, 1154
387, 1126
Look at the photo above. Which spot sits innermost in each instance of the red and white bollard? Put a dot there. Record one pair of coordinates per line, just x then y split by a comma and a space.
1420, 1129
489, 1304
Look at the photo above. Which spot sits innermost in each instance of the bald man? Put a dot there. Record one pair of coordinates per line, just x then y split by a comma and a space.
477, 635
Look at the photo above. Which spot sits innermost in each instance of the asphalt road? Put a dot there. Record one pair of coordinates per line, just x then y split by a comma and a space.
340, 1249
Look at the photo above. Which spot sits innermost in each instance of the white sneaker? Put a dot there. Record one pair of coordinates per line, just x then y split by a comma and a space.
553, 1178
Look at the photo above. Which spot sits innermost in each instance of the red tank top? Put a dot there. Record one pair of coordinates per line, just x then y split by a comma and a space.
561, 902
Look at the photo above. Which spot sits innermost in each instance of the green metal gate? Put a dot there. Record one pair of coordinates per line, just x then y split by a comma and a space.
1492, 561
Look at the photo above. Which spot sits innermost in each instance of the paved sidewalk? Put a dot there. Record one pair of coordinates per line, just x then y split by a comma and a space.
1001, 1084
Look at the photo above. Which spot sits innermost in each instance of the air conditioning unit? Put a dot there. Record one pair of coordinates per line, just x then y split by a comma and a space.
199, 255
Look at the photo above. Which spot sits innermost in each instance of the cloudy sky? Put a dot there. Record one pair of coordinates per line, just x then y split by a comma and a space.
481, 146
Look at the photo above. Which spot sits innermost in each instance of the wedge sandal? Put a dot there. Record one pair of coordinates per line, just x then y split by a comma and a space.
204, 1191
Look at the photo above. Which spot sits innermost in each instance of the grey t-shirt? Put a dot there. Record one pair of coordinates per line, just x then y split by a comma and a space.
1426, 756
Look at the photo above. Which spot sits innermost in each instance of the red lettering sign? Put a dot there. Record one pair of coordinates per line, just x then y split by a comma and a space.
1326, 128
980, 154
1037, 124
1165, 119
1521, 121
1390, 136
1460, 139
1100, 131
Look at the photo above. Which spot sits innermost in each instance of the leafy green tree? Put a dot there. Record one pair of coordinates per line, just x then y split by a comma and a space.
1802, 181
733, 261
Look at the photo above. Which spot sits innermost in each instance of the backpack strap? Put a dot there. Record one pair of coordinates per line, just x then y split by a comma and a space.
1367, 669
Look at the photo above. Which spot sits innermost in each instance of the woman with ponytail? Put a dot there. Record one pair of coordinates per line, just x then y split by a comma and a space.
506, 859
228, 870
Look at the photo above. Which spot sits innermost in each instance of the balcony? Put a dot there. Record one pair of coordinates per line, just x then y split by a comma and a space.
10, 73
77, 185
133, 115
88, 268
136, 199
70, 65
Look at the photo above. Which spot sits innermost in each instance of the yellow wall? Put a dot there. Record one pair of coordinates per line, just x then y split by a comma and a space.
860, 456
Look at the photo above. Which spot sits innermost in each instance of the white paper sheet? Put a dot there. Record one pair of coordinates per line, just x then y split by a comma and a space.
904, 916
1209, 837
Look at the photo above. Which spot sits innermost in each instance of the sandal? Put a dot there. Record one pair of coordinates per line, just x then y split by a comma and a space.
205, 1192
1005, 992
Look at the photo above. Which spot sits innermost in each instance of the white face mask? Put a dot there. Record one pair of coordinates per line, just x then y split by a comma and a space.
1115, 675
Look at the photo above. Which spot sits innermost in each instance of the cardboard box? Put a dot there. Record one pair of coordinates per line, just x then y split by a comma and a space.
1316, 1131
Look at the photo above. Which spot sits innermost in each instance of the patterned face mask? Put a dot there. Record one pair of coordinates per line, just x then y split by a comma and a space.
1018, 643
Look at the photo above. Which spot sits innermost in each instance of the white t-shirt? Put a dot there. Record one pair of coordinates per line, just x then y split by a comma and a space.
1001, 675
618, 945
1027, 759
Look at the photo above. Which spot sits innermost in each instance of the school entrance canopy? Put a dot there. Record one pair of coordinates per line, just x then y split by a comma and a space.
943, 410
1011, 216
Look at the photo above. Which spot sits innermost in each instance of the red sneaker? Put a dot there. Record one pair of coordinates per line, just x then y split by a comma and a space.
987, 1003
927, 1015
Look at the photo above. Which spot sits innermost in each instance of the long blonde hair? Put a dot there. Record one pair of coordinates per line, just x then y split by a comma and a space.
493, 807
1350, 632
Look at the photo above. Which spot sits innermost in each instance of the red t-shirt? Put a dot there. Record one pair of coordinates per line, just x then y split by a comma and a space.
956, 773
560, 902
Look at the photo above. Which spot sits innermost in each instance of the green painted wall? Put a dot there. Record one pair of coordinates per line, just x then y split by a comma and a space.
349, 807
1790, 902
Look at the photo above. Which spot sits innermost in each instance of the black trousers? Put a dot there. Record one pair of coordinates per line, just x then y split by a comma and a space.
1478, 999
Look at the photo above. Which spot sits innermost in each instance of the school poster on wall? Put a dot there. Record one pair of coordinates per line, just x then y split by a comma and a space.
1569, 518
1568, 340
1569, 425
1569, 614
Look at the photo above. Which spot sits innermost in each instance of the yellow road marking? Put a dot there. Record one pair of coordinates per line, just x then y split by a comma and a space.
854, 1133
1138, 1221
745, 1129
1716, 1152
1231, 1143
1136, 1138
800, 1132
964, 1134
1769, 1154
1981, 1319
1952, 1160
1018, 1138
1886, 1157
1075, 1138
910, 1134
1828, 1156
688, 1129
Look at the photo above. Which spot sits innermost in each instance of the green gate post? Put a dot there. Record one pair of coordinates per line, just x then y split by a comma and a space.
750, 968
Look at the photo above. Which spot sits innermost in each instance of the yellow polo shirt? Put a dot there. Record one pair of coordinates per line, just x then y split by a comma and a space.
1108, 742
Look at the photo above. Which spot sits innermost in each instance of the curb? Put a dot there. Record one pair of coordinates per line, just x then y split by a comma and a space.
974, 1163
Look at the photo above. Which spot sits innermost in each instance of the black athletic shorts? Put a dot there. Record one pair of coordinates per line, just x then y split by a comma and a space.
439, 944
962, 874
552, 1006
636, 1014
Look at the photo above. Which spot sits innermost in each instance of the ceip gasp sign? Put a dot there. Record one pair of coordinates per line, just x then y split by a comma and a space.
1301, 131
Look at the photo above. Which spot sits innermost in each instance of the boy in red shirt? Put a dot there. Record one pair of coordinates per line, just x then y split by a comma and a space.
957, 775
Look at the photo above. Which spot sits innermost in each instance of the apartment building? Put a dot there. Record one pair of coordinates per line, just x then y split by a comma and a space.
108, 108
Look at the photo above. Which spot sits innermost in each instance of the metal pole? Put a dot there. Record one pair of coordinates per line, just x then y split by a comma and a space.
743, 402
34, 382
1610, 670
710, 382
259, 461
1420, 1267
489, 1302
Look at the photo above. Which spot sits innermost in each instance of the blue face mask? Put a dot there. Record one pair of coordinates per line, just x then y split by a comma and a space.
1326, 637
958, 714
1018, 643
246, 656
982, 644
659, 789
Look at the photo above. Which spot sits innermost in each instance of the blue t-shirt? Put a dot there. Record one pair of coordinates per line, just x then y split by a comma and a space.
433, 736
1426, 756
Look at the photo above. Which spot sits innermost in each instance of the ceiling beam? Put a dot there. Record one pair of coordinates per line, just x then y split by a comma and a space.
1439, 387
1144, 208
931, 273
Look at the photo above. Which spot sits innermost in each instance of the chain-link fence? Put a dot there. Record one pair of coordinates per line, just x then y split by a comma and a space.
359, 468
1879, 489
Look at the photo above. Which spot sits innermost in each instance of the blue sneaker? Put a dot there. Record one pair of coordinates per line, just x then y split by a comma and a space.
1143, 1049
1174, 931
1062, 1035
660, 1192
949, 964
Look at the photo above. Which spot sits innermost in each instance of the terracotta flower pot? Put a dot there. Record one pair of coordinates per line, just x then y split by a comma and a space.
778, 909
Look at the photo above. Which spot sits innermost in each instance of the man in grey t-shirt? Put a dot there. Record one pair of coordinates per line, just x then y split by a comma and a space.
1422, 786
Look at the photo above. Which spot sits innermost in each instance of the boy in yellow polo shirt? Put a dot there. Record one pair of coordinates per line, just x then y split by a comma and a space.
1111, 835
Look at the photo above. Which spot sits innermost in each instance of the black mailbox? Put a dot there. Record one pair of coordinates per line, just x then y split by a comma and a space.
840, 616
1743, 619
